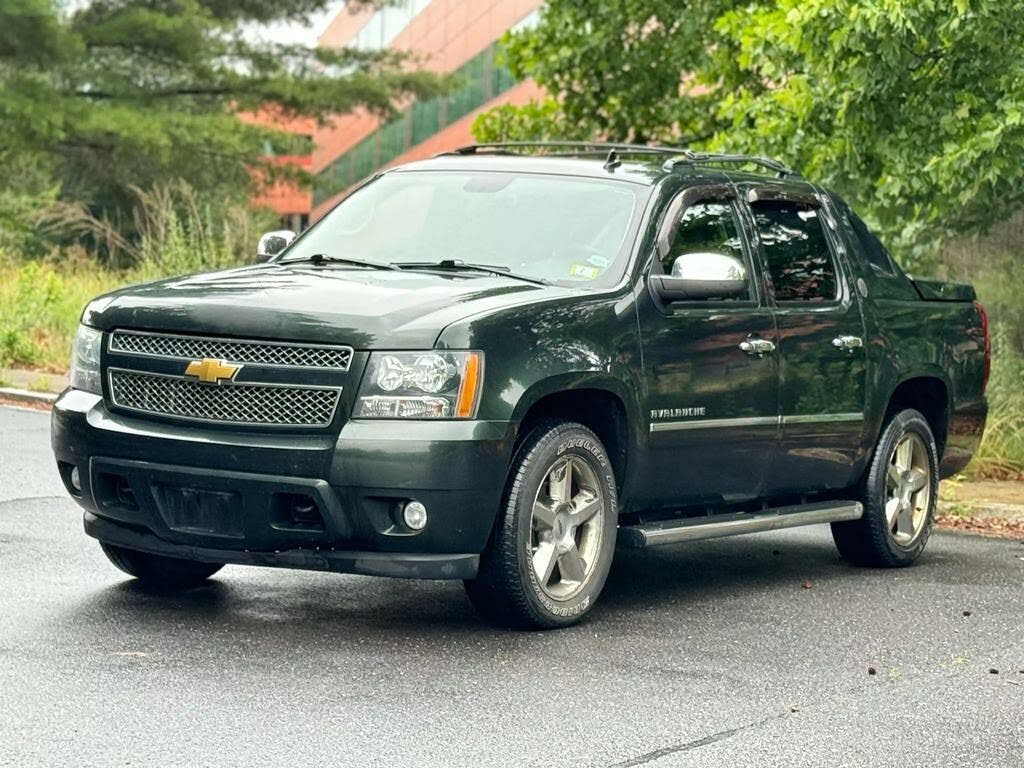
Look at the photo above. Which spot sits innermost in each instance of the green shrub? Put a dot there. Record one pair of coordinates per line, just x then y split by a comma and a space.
175, 233
1002, 448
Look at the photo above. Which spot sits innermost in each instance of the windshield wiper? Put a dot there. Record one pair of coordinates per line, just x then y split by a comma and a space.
462, 266
322, 258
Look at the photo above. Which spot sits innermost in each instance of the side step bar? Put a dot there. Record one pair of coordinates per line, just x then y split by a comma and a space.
716, 526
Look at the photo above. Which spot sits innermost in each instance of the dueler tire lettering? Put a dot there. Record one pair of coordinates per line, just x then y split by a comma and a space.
506, 590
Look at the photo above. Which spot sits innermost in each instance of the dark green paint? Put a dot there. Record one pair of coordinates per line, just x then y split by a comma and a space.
541, 341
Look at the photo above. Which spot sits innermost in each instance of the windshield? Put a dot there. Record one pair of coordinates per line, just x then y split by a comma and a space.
553, 228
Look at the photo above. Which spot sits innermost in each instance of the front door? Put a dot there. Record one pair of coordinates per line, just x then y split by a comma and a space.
711, 379
821, 351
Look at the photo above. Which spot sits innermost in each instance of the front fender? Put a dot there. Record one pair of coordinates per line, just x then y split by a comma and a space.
561, 344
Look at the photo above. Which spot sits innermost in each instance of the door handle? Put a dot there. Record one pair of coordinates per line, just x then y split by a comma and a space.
849, 343
757, 347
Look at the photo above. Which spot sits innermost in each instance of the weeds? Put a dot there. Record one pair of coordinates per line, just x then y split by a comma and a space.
176, 233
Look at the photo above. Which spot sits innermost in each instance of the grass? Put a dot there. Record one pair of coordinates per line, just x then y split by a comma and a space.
1001, 453
41, 303
39, 311
42, 300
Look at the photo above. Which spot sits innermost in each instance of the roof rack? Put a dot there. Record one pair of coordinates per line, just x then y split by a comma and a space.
689, 157
677, 155
585, 147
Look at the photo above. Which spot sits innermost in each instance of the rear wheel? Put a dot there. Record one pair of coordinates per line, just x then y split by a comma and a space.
899, 493
555, 537
157, 570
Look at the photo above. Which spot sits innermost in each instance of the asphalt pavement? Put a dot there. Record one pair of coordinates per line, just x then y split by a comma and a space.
762, 650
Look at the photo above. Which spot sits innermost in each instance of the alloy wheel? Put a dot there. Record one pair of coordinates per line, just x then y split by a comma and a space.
908, 490
566, 527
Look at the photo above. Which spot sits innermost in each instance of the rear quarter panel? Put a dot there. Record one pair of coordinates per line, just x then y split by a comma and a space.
909, 337
942, 339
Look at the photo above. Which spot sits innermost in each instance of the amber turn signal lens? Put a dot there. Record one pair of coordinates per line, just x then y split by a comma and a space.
469, 391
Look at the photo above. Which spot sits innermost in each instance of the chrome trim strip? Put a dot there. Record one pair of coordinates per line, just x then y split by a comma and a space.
111, 347
223, 422
816, 418
755, 421
751, 421
675, 531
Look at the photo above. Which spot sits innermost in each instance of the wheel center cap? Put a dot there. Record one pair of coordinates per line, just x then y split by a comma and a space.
562, 531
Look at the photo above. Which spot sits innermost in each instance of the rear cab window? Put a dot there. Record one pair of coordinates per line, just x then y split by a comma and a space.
800, 263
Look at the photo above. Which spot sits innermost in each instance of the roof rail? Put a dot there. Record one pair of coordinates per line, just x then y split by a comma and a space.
587, 147
677, 155
689, 157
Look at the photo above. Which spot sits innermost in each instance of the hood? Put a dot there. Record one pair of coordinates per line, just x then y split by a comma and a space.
330, 303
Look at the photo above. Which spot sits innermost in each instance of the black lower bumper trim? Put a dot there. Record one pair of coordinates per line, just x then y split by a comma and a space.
396, 564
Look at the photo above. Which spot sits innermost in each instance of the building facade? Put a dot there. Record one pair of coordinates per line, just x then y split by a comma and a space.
291, 202
457, 37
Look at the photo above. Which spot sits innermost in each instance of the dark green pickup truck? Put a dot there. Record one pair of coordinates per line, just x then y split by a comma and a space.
496, 366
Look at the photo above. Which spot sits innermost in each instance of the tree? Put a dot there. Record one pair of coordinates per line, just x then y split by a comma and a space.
619, 70
122, 94
912, 109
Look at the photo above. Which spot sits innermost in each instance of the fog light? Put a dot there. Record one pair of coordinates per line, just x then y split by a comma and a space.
415, 515
76, 481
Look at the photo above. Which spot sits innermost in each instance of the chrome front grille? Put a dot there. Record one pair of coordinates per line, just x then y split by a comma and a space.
266, 353
271, 405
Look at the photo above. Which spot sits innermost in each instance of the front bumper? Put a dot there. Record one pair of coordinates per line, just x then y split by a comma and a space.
133, 473
395, 564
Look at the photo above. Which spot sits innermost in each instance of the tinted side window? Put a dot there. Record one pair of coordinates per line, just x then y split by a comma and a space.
706, 227
800, 264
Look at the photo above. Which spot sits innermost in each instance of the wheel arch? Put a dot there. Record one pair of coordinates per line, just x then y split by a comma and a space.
926, 390
599, 403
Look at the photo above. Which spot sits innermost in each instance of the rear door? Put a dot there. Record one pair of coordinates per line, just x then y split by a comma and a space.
712, 404
821, 353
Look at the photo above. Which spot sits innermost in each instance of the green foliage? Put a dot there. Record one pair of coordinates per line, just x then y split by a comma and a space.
912, 110
616, 68
1002, 448
42, 300
102, 96
995, 267
29, 294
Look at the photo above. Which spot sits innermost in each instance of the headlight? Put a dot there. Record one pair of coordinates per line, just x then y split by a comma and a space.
85, 360
421, 385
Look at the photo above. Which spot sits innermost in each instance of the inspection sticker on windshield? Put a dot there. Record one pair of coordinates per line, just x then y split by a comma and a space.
582, 270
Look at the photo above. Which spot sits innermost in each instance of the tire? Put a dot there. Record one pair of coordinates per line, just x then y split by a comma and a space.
169, 573
897, 520
545, 565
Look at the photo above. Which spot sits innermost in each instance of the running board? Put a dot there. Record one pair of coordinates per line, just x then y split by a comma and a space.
716, 526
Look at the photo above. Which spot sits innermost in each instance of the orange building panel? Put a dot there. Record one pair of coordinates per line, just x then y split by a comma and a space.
443, 36
286, 199
455, 135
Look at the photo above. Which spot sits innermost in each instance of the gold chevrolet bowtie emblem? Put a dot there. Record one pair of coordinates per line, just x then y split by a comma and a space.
211, 371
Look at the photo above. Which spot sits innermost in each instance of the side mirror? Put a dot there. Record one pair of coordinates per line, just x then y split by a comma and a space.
272, 243
702, 276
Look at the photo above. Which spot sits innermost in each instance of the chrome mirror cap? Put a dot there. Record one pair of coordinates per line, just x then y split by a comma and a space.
272, 243
709, 266
702, 276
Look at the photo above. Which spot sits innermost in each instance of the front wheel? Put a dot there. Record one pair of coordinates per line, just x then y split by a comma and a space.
168, 573
899, 493
555, 536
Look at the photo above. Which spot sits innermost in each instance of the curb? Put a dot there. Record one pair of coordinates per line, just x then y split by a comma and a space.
27, 396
